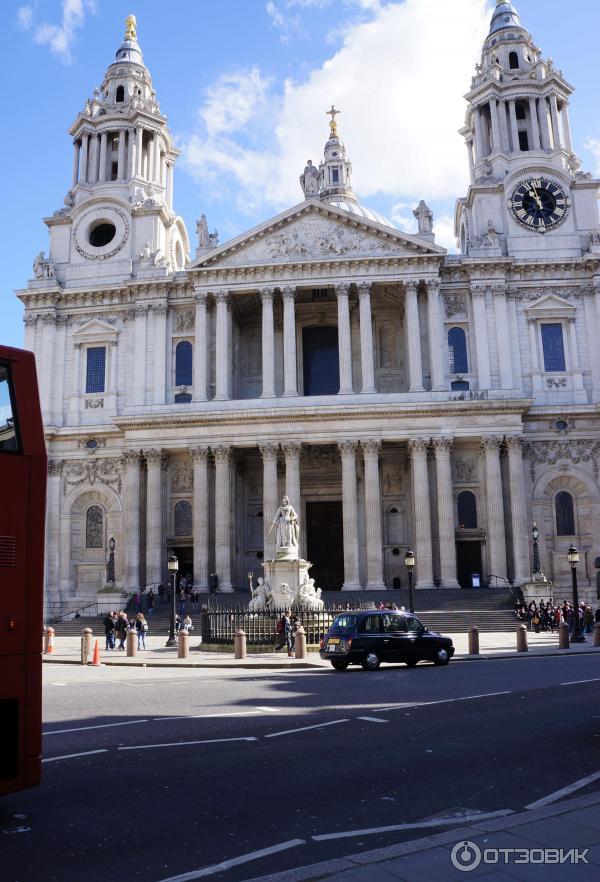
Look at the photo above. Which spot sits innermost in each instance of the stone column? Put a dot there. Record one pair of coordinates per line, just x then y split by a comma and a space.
150, 162
342, 293
156, 174
518, 510
503, 126
268, 343
170, 184
413, 338
471, 154
290, 371
93, 159
29, 341
544, 124
292, 451
112, 366
445, 498
555, 122
436, 342
222, 346
200, 517
76, 151
154, 517
138, 150
366, 339
45, 359
503, 333
575, 364
270, 498
418, 448
102, 169
481, 336
223, 517
350, 515
83, 165
536, 376
52, 584
495, 506
201, 348
567, 126
121, 167
371, 451
514, 126
131, 519
131, 159
140, 333
479, 134
160, 352
535, 126
495, 125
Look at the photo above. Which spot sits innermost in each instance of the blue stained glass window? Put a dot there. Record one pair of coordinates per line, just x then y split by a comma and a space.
96, 368
457, 343
183, 363
553, 346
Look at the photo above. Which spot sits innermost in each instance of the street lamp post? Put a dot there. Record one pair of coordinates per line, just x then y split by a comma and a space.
536, 549
573, 558
409, 563
173, 565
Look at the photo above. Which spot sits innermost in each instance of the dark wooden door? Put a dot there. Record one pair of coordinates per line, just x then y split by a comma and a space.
325, 544
468, 562
185, 555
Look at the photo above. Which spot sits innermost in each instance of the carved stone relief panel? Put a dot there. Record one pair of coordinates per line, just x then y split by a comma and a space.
181, 477
465, 469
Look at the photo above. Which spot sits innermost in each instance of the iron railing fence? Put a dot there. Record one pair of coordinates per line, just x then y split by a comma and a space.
218, 626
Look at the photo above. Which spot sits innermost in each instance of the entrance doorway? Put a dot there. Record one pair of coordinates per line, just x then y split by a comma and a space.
325, 544
185, 555
468, 562
320, 360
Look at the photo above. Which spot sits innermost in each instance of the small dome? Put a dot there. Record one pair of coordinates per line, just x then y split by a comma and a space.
129, 50
505, 16
361, 210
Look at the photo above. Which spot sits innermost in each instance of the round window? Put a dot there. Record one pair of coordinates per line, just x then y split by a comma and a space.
102, 234
395, 552
91, 444
561, 426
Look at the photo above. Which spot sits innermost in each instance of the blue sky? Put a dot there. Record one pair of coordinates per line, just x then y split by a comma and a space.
245, 85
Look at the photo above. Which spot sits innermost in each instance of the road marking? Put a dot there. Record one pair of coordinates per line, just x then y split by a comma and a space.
87, 728
305, 728
185, 743
372, 720
57, 684
208, 716
51, 759
565, 791
439, 701
418, 825
270, 710
235, 862
577, 682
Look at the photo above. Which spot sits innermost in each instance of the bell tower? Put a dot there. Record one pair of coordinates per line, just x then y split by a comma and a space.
119, 210
525, 179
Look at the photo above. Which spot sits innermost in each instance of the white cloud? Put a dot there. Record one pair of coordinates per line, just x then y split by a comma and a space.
233, 100
398, 78
59, 38
25, 17
593, 145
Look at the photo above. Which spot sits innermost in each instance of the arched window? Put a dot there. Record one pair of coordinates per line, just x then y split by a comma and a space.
513, 61
457, 344
183, 518
467, 511
183, 363
120, 96
94, 523
565, 514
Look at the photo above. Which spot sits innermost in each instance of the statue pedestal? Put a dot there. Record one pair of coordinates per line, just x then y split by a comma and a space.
536, 589
285, 571
110, 598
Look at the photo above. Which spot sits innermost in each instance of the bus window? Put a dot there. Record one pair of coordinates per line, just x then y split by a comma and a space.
8, 431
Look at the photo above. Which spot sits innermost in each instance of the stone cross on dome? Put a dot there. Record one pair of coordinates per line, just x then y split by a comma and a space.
332, 125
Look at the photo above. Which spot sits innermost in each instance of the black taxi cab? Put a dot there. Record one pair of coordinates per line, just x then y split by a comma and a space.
369, 637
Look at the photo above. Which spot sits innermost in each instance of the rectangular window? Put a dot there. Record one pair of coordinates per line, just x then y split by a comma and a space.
8, 430
95, 370
335, 175
553, 346
524, 141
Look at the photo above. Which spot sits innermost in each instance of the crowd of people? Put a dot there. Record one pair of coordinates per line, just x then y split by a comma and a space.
118, 624
546, 615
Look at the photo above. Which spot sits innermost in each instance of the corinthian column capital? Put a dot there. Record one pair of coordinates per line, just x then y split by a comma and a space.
347, 448
371, 447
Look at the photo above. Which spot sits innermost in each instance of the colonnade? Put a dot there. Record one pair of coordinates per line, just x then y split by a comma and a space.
501, 134
94, 153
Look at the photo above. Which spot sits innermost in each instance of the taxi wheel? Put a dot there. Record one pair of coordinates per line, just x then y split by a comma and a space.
442, 657
371, 662
411, 663
340, 665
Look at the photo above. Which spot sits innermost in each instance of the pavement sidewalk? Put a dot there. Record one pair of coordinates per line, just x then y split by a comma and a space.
487, 850
493, 645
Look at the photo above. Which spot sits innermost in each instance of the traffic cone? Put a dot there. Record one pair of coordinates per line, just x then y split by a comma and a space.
96, 659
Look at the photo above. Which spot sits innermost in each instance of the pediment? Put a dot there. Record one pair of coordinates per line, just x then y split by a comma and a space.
93, 330
316, 231
550, 304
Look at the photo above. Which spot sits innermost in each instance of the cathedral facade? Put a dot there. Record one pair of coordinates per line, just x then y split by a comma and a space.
401, 396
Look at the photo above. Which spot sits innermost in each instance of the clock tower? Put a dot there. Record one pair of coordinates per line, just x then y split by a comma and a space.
527, 196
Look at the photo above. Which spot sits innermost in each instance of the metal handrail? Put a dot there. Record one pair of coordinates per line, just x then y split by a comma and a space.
77, 611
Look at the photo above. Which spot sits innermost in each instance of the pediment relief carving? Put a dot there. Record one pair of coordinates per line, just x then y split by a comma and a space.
552, 305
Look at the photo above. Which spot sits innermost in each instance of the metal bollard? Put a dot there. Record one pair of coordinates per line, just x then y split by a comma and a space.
597, 634
563, 636
473, 641
521, 638
49, 641
183, 644
239, 644
300, 642
86, 645
131, 643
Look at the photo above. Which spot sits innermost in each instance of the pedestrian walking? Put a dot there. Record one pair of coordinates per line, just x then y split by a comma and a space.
122, 628
109, 630
150, 603
141, 626
187, 624
284, 632
213, 583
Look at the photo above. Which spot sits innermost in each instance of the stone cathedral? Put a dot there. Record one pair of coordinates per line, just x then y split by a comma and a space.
401, 396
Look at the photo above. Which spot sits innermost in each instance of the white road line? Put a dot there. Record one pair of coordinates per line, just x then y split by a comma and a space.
185, 743
565, 791
270, 710
577, 682
88, 728
207, 716
235, 862
305, 728
436, 822
414, 704
372, 720
51, 759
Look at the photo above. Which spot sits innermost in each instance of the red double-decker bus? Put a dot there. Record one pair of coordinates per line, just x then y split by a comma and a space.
23, 470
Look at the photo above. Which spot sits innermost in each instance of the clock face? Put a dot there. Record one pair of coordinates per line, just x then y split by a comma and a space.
539, 204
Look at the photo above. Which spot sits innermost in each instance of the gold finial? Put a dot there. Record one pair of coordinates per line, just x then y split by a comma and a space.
333, 132
130, 28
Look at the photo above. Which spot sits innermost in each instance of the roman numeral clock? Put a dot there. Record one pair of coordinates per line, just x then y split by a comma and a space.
539, 204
